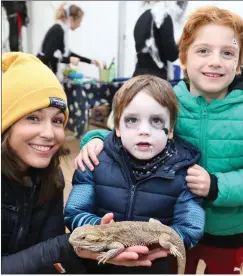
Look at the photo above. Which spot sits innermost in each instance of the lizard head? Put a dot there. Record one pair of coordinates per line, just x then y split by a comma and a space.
89, 237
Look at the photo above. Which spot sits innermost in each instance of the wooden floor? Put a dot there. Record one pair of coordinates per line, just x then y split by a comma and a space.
68, 170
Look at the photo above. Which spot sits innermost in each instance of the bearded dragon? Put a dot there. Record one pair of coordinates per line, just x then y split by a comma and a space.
116, 236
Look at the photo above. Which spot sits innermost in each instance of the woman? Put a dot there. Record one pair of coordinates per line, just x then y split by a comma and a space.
154, 38
34, 114
55, 46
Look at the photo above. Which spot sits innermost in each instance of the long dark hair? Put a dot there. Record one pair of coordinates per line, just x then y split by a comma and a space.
51, 179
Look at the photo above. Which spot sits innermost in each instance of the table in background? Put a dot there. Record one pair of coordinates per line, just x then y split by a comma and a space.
82, 97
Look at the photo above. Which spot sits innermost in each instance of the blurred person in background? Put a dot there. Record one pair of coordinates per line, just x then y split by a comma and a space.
55, 46
17, 16
154, 37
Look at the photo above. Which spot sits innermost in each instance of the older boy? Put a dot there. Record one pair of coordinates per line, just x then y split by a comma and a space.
211, 118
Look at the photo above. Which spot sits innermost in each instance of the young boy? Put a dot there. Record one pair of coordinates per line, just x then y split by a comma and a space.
142, 170
211, 118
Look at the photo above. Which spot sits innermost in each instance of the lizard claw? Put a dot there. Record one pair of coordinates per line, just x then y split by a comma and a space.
174, 251
102, 258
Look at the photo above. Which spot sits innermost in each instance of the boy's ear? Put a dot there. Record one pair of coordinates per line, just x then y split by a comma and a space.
171, 134
238, 70
183, 67
118, 134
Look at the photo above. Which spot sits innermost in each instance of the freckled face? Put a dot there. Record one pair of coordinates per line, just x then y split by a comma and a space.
212, 61
144, 127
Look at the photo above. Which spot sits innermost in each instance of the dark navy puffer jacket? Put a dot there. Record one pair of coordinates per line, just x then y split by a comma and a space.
163, 196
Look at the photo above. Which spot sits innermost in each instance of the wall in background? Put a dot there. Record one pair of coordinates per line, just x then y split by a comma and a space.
97, 37
103, 31
135, 8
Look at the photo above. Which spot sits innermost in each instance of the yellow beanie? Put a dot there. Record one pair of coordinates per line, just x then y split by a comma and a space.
28, 85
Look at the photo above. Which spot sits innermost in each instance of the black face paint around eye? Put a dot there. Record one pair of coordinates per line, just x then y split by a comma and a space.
166, 130
130, 122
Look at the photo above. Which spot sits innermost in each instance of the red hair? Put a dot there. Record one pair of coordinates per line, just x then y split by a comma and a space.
210, 15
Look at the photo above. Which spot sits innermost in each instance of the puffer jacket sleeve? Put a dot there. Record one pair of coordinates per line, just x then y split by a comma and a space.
96, 133
80, 207
230, 189
189, 217
41, 257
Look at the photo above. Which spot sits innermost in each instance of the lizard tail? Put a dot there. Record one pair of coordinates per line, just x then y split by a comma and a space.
181, 261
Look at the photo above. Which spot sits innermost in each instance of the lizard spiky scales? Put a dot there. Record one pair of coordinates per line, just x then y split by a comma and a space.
114, 237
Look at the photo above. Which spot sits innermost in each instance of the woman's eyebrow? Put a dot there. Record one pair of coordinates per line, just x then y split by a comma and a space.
57, 112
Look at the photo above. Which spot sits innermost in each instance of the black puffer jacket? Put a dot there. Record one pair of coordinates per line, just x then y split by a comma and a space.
33, 237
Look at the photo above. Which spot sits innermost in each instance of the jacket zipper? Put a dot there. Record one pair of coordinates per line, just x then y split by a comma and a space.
203, 136
132, 192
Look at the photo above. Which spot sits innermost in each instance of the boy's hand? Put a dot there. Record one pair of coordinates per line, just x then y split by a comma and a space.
107, 218
129, 257
198, 180
90, 151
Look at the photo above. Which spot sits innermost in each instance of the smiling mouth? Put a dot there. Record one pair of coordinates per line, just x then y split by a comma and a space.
41, 148
213, 75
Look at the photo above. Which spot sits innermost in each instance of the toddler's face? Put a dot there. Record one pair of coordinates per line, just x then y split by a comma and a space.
144, 127
212, 61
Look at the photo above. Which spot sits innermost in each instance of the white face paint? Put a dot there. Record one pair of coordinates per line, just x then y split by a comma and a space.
234, 42
144, 127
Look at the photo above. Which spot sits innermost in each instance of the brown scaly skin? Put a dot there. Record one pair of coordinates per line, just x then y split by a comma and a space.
115, 236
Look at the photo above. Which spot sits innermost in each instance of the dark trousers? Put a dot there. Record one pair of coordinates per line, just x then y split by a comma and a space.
13, 34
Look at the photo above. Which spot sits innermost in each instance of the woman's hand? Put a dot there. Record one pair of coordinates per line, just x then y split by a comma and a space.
89, 153
74, 60
129, 257
96, 63
155, 253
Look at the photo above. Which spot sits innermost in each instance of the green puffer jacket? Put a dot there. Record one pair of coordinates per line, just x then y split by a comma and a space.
217, 130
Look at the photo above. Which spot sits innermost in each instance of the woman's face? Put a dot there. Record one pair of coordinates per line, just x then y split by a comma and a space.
36, 137
75, 23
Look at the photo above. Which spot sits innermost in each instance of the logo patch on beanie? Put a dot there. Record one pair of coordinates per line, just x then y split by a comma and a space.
58, 103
